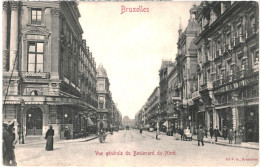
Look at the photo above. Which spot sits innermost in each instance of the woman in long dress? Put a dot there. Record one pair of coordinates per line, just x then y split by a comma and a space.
49, 138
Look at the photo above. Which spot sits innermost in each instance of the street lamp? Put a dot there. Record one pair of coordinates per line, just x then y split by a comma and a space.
22, 108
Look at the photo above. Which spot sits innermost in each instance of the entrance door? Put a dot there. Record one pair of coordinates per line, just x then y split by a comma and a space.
34, 121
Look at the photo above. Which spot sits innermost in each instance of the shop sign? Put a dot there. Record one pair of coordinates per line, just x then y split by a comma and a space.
43, 75
236, 85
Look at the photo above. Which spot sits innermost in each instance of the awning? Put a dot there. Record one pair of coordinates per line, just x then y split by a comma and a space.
222, 107
89, 122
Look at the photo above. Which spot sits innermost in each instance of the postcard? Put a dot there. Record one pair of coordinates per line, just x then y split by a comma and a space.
130, 83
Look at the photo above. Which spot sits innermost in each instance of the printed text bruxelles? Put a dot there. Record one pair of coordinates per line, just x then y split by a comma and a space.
139, 9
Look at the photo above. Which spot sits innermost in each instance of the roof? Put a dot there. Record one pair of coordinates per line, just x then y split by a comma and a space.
101, 71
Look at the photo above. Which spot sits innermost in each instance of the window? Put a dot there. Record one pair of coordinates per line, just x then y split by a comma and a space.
101, 102
252, 22
101, 86
35, 57
36, 16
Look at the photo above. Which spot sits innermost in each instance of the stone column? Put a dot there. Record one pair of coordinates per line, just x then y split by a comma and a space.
4, 36
14, 35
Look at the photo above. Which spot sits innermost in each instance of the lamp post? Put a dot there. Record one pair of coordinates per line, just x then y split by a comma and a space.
22, 108
158, 115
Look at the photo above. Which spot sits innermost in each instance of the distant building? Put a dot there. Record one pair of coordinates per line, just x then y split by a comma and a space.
128, 122
166, 67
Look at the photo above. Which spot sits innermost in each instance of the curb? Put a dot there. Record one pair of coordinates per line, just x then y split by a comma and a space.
224, 144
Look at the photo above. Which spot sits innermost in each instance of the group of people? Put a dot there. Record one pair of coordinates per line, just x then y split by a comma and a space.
201, 133
8, 144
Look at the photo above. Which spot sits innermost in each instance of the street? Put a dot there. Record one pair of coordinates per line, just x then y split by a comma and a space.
142, 149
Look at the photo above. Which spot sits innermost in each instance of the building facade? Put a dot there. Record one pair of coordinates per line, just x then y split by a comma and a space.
153, 108
186, 59
106, 106
228, 55
166, 67
174, 100
44, 57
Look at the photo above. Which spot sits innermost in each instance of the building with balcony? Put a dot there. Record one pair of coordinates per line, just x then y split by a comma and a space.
186, 63
106, 106
49, 75
153, 107
166, 67
228, 55
174, 100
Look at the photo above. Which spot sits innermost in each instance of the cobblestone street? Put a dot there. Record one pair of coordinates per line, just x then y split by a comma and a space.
173, 152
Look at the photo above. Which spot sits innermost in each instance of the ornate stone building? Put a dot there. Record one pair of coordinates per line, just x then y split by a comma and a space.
106, 105
186, 59
49, 75
228, 55
166, 67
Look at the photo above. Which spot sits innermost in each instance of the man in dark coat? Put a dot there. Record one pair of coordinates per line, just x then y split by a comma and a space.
206, 132
200, 136
211, 132
225, 131
216, 133
67, 134
49, 138
7, 145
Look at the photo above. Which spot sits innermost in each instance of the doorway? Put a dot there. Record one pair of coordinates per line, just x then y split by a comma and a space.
34, 121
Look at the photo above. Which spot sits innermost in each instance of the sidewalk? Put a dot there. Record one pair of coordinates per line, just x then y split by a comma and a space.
221, 141
40, 140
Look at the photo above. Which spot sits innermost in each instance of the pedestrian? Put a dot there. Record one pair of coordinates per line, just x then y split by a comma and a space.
200, 136
206, 132
211, 132
181, 133
140, 130
49, 137
7, 145
157, 134
216, 133
14, 141
224, 132
230, 135
67, 133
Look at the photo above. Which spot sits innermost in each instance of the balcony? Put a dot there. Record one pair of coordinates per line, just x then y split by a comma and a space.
206, 86
246, 73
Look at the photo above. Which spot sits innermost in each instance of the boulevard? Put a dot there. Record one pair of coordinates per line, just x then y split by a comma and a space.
130, 148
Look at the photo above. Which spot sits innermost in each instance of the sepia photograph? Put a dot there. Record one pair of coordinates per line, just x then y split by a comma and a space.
129, 83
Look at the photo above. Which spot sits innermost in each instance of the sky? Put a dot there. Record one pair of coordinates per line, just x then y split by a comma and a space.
131, 46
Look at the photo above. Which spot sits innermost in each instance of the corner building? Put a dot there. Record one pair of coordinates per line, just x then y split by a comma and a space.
228, 55
49, 75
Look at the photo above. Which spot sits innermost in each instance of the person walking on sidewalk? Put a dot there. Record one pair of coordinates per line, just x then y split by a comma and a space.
200, 136
230, 135
216, 133
206, 132
49, 137
211, 132
225, 132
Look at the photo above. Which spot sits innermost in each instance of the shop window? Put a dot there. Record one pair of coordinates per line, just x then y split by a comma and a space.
35, 57
36, 16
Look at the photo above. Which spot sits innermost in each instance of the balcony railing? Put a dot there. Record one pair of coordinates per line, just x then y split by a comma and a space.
234, 76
